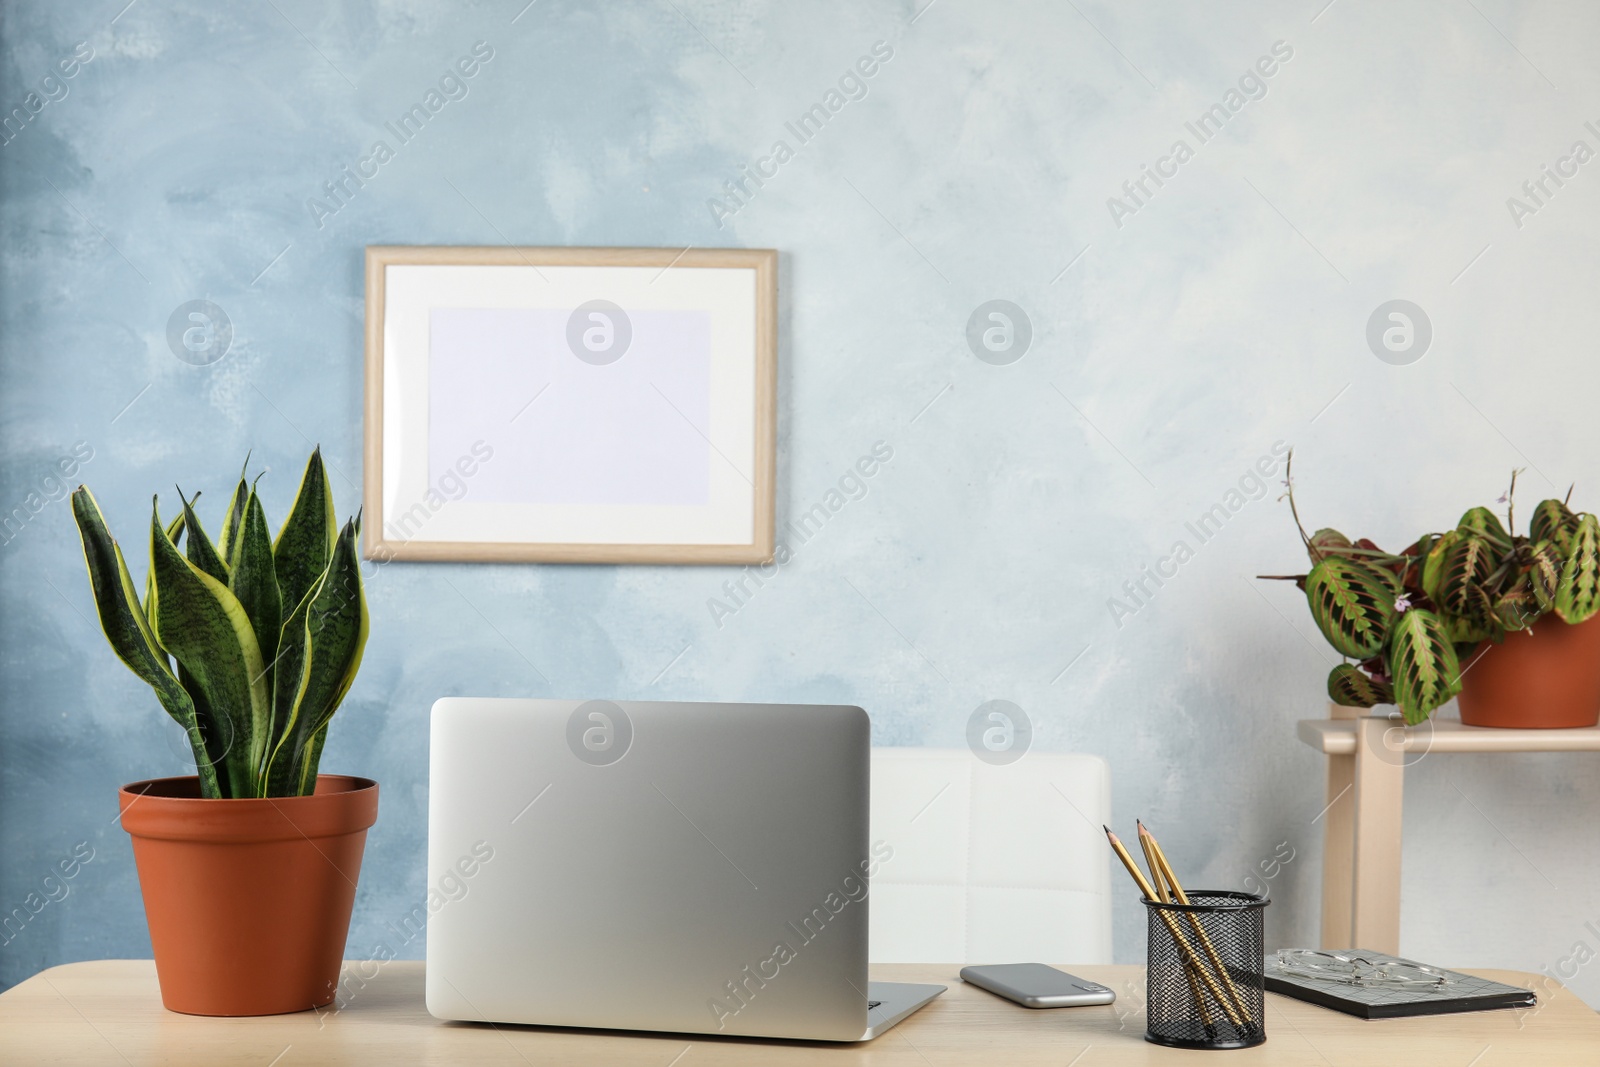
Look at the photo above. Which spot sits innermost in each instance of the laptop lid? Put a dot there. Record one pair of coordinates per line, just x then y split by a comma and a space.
689, 867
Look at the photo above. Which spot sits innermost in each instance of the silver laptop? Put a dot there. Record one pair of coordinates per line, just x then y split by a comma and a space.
697, 868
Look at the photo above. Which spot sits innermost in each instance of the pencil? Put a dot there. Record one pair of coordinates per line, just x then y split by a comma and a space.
1182, 942
1159, 859
1154, 863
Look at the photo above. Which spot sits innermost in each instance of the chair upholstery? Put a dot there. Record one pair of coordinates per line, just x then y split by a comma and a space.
990, 864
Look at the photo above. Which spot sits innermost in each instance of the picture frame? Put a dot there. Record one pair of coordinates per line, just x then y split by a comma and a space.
570, 405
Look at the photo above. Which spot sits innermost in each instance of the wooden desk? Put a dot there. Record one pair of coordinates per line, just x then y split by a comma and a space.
1367, 758
109, 1012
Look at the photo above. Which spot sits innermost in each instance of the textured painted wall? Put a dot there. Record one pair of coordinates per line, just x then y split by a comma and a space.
1176, 334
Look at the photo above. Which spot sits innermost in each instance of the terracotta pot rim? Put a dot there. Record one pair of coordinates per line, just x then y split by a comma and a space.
343, 804
143, 788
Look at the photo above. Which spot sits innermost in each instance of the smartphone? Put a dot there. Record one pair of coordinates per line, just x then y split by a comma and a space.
1033, 985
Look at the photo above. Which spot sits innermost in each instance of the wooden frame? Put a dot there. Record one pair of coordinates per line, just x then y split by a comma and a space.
377, 544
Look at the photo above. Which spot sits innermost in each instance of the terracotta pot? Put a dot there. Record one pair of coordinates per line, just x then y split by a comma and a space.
248, 901
1544, 678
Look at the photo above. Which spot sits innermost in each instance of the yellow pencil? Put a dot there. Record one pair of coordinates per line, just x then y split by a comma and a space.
1159, 859
1154, 864
1189, 954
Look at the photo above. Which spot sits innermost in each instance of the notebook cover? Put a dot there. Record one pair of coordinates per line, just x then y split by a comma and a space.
1464, 993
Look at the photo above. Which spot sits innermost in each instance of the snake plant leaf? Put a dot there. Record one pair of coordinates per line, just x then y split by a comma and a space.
313, 757
174, 534
1553, 521
1422, 664
1481, 522
1545, 560
215, 730
234, 519
288, 671
1467, 566
253, 577
1352, 604
128, 630
1578, 594
201, 552
1350, 688
1433, 564
305, 543
335, 634
207, 630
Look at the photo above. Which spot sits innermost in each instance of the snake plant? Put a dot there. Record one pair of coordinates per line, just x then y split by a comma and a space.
249, 642
1410, 620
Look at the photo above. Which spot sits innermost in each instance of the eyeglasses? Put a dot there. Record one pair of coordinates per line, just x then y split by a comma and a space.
1352, 969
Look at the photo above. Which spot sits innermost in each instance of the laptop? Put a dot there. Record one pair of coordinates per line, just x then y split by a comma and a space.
686, 867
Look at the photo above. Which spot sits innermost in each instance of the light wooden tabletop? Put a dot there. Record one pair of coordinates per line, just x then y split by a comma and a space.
109, 1012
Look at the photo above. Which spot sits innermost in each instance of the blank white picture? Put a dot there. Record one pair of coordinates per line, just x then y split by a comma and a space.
594, 405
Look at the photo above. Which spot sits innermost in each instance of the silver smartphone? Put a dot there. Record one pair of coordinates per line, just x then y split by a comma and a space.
1033, 985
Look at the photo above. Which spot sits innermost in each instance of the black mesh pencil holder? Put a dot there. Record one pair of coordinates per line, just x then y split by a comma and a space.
1204, 986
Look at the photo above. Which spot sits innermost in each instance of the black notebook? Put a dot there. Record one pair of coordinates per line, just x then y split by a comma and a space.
1462, 992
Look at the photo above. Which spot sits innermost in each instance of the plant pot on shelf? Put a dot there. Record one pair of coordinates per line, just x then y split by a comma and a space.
1546, 677
248, 901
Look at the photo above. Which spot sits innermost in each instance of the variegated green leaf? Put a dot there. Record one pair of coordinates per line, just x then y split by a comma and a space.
1578, 594
288, 671
201, 552
234, 519
335, 633
175, 535
307, 780
1467, 565
1481, 522
253, 577
1350, 688
1433, 565
305, 543
206, 629
1544, 572
1352, 605
1553, 521
1517, 607
217, 730
128, 630
1423, 667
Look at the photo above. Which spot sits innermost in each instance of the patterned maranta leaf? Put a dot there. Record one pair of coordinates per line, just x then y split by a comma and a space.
1352, 605
1350, 688
1422, 665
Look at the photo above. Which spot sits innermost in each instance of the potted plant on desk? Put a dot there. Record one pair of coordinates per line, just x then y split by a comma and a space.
249, 867
1504, 621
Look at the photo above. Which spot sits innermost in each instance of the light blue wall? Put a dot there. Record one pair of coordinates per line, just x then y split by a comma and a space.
1225, 314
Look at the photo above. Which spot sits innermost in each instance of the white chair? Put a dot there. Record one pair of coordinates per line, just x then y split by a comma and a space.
990, 864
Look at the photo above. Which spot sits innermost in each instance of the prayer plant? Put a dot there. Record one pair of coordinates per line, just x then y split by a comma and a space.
1412, 620
251, 642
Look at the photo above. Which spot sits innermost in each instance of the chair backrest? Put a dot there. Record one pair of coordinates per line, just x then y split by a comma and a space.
991, 864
